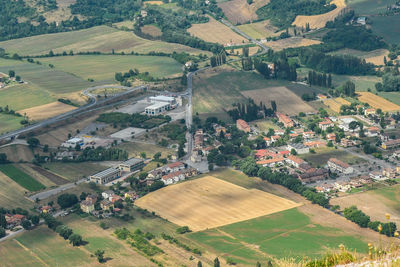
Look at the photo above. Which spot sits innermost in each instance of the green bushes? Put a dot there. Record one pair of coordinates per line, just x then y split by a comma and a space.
138, 240
134, 120
173, 240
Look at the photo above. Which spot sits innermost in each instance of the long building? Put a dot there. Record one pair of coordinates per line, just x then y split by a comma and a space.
287, 122
391, 144
105, 176
131, 165
157, 108
337, 165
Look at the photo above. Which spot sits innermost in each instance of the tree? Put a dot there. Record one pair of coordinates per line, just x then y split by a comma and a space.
3, 158
273, 105
216, 262
211, 167
33, 142
35, 219
2, 232
26, 224
143, 155
11, 73
100, 255
199, 264
64, 231
18, 78
3, 221
181, 151
67, 200
75, 240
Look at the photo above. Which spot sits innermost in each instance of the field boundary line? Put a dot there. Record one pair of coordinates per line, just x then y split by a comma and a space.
31, 252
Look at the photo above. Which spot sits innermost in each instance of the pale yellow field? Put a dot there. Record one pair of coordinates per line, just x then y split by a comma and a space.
286, 101
377, 102
151, 30
46, 111
210, 202
153, 3
336, 103
319, 21
239, 11
12, 194
216, 32
291, 42
252, 50
259, 30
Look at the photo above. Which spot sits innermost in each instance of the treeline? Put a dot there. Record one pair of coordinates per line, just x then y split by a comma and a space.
320, 79
281, 68
139, 240
102, 154
357, 216
173, 240
218, 59
250, 111
249, 167
349, 65
134, 120
283, 12
390, 82
63, 230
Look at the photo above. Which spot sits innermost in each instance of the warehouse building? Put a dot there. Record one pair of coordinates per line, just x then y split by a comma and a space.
131, 165
157, 108
162, 98
105, 176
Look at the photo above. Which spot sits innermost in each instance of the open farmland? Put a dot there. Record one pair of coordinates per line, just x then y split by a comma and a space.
291, 43
151, 30
46, 111
100, 38
319, 21
281, 235
336, 103
21, 177
16, 153
259, 30
9, 123
12, 194
377, 102
217, 203
134, 149
375, 57
104, 67
322, 155
216, 32
286, 101
239, 11
369, 7
380, 27
73, 171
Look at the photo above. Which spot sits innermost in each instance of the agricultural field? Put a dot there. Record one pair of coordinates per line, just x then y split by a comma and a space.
46, 111
100, 38
217, 203
216, 32
17, 153
104, 67
369, 7
151, 30
73, 171
319, 21
377, 102
380, 27
375, 57
286, 101
265, 125
291, 42
336, 103
376, 203
259, 30
126, 24
280, 235
239, 11
21, 177
12, 194
9, 123
63, 12
135, 148
322, 155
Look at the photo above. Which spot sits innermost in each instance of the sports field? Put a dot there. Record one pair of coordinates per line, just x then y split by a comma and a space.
99, 38
377, 102
291, 42
319, 21
286, 101
259, 30
104, 67
322, 155
216, 32
46, 111
336, 103
239, 11
286, 234
210, 202
21, 177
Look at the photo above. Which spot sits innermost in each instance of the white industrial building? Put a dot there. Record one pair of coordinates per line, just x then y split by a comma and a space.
161, 98
157, 108
73, 142
106, 176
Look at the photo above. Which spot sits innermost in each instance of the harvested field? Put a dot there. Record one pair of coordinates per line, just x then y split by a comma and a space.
336, 103
153, 3
49, 175
319, 21
377, 102
151, 30
239, 51
239, 11
12, 194
375, 57
259, 30
286, 101
73, 171
291, 42
21, 177
46, 111
216, 32
17, 153
216, 203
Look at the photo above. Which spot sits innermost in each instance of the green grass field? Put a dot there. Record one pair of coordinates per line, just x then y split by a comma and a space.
9, 123
104, 67
73, 171
134, 149
100, 38
285, 234
322, 155
381, 27
369, 7
21, 177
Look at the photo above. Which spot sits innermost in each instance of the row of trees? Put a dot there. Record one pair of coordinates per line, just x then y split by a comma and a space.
63, 230
250, 111
320, 79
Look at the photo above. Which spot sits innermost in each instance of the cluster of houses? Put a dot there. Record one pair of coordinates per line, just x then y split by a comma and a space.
14, 220
386, 173
343, 186
171, 173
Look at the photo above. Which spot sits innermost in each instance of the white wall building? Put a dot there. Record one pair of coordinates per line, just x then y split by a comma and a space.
161, 98
157, 108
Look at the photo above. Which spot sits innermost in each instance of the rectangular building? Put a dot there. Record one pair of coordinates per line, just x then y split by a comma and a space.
157, 108
162, 98
131, 165
105, 176
243, 126
337, 165
287, 122
299, 148
391, 144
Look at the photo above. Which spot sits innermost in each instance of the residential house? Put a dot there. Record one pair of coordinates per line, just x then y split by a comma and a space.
115, 198
199, 139
295, 161
369, 111
331, 137
318, 143
347, 142
384, 137
377, 175
308, 134
106, 204
173, 177
313, 175
14, 220
107, 194
267, 141
324, 125
272, 162
176, 166
390, 173
305, 167
279, 132
131, 195
391, 144
275, 138
287, 122
87, 206
342, 186
243, 126
321, 96
336, 165
264, 154
372, 131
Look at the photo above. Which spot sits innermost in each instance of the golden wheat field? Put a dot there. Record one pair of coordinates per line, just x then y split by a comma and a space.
319, 21
377, 102
209, 202
336, 103
46, 111
239, 11
291, 42
216, 32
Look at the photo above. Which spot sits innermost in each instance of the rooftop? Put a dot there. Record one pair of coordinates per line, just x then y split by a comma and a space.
162, 98
132, 161
339, 163
158, 105
106, 173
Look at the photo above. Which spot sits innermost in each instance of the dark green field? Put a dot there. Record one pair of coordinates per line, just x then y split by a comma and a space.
21, 177
387, 27
369, 7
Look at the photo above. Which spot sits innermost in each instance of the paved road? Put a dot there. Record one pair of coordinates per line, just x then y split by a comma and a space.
55, 191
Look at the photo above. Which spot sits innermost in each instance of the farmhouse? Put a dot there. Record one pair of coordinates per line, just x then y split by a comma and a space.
87, 206
131, 165
105, 176
243, 126
14, 220
337, 165
299, 148
287, 122
157, 108
295, 161
391, 144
